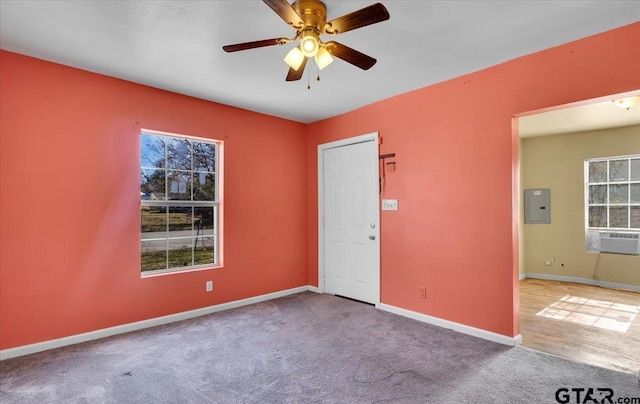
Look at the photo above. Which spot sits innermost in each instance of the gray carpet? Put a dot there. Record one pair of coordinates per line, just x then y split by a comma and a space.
305, 348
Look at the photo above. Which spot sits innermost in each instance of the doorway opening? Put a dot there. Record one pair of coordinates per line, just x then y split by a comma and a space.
575, 303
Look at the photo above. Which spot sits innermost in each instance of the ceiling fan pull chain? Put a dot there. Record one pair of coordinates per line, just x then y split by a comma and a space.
308, 83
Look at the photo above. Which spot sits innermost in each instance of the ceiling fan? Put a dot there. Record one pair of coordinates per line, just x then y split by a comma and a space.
309, 20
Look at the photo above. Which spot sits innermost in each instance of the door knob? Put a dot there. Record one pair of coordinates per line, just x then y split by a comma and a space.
372, 237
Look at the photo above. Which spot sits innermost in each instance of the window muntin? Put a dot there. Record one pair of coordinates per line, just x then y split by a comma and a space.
178, 203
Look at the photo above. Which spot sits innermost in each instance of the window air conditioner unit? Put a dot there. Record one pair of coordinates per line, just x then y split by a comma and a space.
620, 243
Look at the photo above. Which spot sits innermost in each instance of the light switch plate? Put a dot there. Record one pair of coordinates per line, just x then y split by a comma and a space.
389, 204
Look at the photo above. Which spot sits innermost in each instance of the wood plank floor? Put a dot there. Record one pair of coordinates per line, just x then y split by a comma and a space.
583, 323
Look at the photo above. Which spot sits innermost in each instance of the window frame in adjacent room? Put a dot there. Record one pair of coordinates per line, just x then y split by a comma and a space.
612, 187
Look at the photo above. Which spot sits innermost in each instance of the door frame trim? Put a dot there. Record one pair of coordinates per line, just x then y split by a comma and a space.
369, 137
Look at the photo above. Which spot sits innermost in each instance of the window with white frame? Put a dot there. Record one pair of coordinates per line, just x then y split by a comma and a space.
612, 196
178, 202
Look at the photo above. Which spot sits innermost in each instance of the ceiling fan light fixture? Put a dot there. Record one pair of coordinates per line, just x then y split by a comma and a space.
323, 58
294, 58
627, 103
310, 43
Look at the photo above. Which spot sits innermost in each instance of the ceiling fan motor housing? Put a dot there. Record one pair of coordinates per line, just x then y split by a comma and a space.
312, 12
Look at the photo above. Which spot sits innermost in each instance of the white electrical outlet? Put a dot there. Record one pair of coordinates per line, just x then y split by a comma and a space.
389, 204
209, 286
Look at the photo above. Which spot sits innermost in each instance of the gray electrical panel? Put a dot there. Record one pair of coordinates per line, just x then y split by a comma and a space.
537, 206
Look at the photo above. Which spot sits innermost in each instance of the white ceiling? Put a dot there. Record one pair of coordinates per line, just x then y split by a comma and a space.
177, 45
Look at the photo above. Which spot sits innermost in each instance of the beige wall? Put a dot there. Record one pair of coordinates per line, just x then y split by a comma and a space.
557, 162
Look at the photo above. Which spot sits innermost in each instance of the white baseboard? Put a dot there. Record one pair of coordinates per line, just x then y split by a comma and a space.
584, 281
314, 289
139, 325
465, 329
523, 276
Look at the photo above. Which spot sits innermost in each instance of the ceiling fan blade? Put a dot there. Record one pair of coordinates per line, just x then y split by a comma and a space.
286, 12
350, 55
253, 44
294, 75
361, 18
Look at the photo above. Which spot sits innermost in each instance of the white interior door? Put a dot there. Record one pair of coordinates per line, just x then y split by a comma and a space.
351, 221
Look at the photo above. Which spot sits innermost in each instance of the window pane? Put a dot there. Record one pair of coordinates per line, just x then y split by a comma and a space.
204, 155
204, 251
635, 169
179, 154
179, 185
204, 186
618, 193
618, 217
154, 256
153, 223
598, 171
597, 194
618, 170
152, 184
203, 221
180, 221
597, 216
180, 252
635, 193
634, 217
152, 150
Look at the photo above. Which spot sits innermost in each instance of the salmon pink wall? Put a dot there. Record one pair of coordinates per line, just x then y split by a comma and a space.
69, 202
456, 168
69, 192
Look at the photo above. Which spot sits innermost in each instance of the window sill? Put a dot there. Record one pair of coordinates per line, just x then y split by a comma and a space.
163, 272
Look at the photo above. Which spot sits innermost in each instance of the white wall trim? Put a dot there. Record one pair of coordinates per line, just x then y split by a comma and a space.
584, 281
154, 322
139, 325
314, 289
523, 276
464, 329
367, 137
